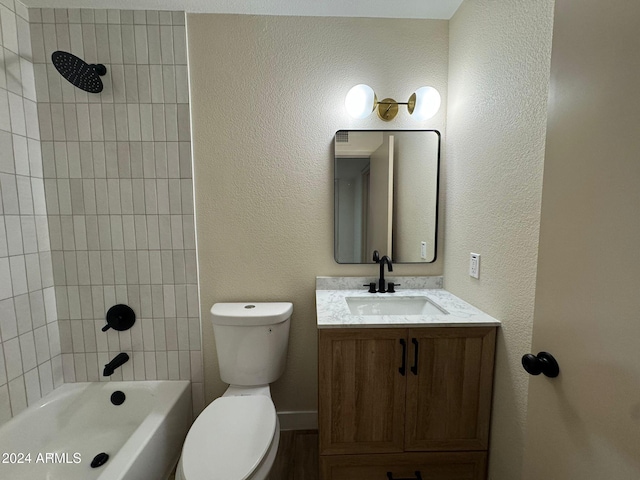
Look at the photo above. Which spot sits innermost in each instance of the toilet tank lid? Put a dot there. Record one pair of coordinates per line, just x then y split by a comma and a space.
251, 313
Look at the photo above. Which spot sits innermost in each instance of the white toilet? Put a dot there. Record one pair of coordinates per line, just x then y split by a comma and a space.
236, 437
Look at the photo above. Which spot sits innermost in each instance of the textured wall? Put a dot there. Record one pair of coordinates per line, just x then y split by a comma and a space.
270, 97
30, 362
498, 84
119, 195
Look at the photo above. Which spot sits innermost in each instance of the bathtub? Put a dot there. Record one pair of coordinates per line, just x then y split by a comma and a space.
57, 438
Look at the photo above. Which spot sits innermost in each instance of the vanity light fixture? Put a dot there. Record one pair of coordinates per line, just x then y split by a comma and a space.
361, 100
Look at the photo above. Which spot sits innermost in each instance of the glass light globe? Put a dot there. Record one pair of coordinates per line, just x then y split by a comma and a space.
360, 101
427, 103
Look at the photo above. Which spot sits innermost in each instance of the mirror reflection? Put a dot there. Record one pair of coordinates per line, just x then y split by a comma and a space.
386, 195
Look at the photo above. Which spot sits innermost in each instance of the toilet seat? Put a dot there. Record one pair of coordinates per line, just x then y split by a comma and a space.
229, 439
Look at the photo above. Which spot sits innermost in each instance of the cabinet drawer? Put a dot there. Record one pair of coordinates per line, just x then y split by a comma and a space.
432, 466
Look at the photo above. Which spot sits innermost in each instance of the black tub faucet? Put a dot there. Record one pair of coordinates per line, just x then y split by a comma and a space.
382, 287
118, 361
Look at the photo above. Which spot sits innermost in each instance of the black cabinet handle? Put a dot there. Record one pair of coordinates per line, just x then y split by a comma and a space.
403, 368
541, 363
418, 476
414, 369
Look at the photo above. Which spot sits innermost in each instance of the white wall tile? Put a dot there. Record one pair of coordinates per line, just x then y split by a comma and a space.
8, 321
173, 365
61, 159
35, 157
106, 170
109, 122
36, 302
28, 80
5, 404
18, 275
32, 384
57, 120
45, 374
80, 367
162, 368
9, 29
141, 44
118, 87
24, 39
185, 364
46, 270
146, 121
102, 44
3, 371
18, 395
153, 38
23, 313
41, 338
34, 278
12, 358
180, 44
139, 17
167, 44
16, 112
157, 87
7, 159
165, 18
171, 122
5, 119
68, 368
28, 351
150, 366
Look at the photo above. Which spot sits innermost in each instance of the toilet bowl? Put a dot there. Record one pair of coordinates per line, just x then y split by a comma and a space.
236, 437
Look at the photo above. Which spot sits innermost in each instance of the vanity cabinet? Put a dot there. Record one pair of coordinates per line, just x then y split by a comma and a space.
420, 396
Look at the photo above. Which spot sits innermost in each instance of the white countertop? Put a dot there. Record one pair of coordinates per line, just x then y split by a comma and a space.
333, 311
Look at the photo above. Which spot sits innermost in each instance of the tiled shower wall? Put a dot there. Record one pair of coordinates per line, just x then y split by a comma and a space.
30, 362
118, 184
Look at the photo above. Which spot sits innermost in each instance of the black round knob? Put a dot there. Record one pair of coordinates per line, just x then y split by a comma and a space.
120, 317
542, 363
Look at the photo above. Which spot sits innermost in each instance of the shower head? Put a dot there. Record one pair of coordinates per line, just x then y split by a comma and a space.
78, 72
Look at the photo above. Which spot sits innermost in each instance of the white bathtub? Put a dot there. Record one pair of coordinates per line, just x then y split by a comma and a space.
57, 438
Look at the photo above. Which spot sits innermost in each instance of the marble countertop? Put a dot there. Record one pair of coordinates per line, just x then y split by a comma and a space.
333, 311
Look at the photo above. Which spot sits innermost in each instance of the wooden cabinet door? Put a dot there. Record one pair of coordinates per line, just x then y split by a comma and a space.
361, 390
449, 394
431, 466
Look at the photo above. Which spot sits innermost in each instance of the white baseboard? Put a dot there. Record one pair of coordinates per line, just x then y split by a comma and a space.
305, 420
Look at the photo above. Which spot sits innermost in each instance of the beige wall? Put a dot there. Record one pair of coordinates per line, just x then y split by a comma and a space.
498, 82
268, 96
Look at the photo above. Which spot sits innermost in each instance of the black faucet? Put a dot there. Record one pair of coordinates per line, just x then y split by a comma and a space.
118, 361
382, 287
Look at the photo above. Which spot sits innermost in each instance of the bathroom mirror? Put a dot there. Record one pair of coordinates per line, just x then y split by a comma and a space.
386, 195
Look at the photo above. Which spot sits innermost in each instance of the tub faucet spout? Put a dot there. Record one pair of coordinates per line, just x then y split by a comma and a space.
118, 361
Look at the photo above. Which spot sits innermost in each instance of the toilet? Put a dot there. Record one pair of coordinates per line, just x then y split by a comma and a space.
236, 437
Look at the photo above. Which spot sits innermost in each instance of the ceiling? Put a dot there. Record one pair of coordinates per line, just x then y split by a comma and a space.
436, 9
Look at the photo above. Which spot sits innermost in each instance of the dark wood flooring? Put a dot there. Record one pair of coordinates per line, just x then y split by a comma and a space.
297, 457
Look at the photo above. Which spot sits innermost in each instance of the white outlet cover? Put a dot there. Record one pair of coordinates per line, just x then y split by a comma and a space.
474, 265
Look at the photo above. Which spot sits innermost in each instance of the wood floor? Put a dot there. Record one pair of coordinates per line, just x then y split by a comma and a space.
297, 457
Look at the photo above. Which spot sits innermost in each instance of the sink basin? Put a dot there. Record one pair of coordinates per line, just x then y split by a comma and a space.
417, 305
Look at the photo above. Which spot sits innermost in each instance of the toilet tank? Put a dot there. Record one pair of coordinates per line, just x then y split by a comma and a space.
251, 341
